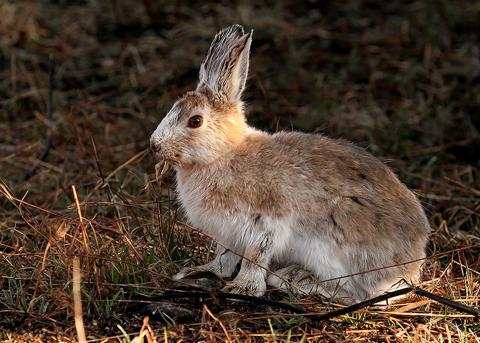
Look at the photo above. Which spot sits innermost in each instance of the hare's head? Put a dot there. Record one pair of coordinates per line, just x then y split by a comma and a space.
206, 123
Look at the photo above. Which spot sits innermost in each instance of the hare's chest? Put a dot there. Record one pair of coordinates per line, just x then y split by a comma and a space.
190, 197
209, 207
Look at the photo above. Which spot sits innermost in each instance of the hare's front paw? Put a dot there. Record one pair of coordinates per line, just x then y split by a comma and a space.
223, 265
256, 287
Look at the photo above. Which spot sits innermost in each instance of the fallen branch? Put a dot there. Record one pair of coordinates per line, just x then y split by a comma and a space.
214, 295
445, 301
358, 306
300, 310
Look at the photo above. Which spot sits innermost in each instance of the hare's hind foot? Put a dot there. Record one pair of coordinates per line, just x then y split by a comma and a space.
223, 265
297, 280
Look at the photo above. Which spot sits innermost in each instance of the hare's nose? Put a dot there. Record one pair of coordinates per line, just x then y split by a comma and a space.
155, 146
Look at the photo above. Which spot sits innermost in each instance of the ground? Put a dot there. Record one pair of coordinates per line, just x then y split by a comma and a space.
400, 78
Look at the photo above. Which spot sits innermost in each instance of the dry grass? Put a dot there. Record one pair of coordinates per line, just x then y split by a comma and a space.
401, 78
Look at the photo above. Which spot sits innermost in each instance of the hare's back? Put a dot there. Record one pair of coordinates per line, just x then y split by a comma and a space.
338, 164
346, 183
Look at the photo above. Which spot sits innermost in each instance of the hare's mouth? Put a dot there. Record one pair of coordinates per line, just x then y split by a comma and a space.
163, 153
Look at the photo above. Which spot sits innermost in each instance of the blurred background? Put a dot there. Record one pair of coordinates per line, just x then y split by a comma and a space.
400, 78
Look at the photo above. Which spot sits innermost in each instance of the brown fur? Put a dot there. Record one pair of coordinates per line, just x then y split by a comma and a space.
299, 199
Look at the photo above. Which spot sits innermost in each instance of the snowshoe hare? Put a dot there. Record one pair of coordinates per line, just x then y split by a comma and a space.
301, 209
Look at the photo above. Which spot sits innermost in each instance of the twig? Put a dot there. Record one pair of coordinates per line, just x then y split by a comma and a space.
48, 143
360, 305
170, 295
225, 331
141, 154
315, 316
456, 305
77, 301
77, 203
105, 181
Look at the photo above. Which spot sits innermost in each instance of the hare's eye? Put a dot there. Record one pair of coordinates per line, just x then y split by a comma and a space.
195, 121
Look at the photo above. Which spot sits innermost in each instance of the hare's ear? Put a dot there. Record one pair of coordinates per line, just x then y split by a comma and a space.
225, 68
